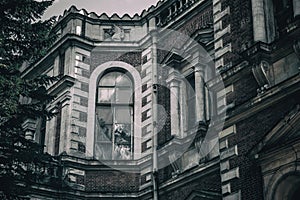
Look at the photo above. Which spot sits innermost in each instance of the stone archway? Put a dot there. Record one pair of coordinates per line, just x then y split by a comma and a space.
288, 188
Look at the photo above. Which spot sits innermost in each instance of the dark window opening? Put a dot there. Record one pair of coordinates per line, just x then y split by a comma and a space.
283, 14
57, 130
191, 102
61, 67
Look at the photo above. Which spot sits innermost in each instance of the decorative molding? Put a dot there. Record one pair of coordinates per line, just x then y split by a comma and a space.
261, 74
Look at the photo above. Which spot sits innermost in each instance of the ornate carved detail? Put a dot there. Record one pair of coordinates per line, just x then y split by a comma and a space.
115, 33
261, 73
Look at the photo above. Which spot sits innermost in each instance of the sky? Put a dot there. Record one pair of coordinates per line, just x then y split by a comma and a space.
100, 6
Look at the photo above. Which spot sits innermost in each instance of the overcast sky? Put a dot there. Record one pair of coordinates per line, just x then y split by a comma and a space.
100, 6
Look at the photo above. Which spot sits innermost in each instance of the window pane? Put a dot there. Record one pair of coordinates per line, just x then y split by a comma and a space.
103, 151
108, 79
103, 132
122, 141
124, 95
123, 80
106, 95
105, 113
123, 114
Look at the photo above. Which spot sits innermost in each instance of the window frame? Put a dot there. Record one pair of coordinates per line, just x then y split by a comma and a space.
114, 105
96, 74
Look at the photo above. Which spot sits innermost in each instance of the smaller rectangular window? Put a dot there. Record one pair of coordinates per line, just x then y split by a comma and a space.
61, 67
144, 59
78, 30
80, 57
191, 102
57, 130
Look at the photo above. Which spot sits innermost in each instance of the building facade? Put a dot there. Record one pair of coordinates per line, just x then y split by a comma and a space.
192, 99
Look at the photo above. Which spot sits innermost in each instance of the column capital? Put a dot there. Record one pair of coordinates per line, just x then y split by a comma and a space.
199, 67
173, 78
29, 125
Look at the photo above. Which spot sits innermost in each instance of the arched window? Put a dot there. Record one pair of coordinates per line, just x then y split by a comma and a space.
114, 117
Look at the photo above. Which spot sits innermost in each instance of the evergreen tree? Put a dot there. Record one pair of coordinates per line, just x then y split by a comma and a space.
23, 38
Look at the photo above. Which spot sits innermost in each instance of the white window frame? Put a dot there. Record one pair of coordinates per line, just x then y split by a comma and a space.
93, 86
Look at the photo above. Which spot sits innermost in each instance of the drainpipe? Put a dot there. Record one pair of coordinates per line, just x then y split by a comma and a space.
154, 114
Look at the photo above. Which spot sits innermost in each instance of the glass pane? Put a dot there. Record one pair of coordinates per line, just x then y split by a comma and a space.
124, 95
122, 141
106, 95
123, 114
103, 151
123, 80
103, 132
122, 133
108, 79
104, 113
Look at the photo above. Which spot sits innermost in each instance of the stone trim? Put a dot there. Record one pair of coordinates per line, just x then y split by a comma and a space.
223, 51
235, 196
218, 26
219, 63
224, 166
218, 16
217, 8
222, 32
226, 189
227, 132
232, 174
233, 151
219, 44
223, 145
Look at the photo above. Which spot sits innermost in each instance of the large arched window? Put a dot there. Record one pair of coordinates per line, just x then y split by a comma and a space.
114, 117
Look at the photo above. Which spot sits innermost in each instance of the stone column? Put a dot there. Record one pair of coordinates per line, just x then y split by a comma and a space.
258, 18
174, 84
200, 93
29, 127
296, 6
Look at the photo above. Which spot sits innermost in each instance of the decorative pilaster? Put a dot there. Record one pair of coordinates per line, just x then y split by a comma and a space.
296, 6
200, 93
258, 16
174, 84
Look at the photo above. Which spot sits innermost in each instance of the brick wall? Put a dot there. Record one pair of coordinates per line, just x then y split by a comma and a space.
240, 21
248, 133
211, 182
244, 89
132, 58
111, 181
202, 20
